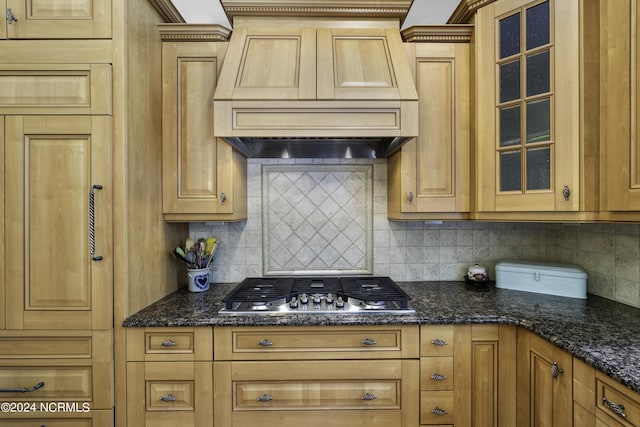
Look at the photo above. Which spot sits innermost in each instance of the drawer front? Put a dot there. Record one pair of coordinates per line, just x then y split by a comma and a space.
45, 347
617, 401
170, 396
55, 89
382, 342
169, 344
319, 418
60, 383
436, 373
436, 407
436, 340
310, 395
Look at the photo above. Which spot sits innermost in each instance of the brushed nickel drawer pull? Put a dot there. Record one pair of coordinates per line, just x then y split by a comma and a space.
265, 343
265, 398
369, 341
168, 398
438, 377
438, 411
439, 342
615, 407
369, 396
168, 343
22, 390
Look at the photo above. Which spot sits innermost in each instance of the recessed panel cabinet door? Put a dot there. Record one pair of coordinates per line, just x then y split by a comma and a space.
58, 222
57, 19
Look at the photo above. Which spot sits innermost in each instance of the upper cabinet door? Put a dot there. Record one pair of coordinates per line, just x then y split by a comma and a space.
362, 64
58, 222
274, 64
528, 106
57, 19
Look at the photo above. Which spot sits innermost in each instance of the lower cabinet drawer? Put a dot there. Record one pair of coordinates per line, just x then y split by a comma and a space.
617, 402
436, 407
306, 395
170, 395
436, 373
59, 383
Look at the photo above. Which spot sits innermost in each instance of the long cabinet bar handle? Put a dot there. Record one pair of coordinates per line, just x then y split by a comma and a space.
22, 390
92, 223
168, 343
615, 407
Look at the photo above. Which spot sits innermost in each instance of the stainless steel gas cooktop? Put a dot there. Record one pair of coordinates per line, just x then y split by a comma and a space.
316, 295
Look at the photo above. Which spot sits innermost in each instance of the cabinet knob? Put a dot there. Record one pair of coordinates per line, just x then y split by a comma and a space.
223, 198
410, 196
566, 192
556, 370
10, 17
615, 407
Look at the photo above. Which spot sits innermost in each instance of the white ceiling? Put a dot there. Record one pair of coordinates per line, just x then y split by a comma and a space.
425, 12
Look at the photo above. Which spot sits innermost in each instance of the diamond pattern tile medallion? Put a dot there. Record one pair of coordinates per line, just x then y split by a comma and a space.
317, 219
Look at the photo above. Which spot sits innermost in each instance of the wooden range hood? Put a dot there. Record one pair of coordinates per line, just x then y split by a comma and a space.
316, 75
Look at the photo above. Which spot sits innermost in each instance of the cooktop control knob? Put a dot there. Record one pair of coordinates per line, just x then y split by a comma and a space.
316, 298
293, 303
339, 302
329, 298
304, 299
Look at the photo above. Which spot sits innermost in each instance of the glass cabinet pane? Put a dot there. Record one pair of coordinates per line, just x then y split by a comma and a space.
539, 168
510, 171
510, 81
537, 25
538, 121
510, 36
538, 73
509, 126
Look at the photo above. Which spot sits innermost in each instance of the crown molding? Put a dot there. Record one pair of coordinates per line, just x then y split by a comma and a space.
318, 8
466, 9
194, 32
167, 11
459, 33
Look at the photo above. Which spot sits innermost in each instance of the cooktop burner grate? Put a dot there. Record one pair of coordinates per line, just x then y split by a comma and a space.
259, 289
374, 289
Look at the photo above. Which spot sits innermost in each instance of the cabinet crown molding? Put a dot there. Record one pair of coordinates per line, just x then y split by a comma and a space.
465, 10
167, 10
460, 33
194, 32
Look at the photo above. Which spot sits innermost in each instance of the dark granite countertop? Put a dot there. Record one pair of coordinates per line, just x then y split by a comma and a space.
601, 332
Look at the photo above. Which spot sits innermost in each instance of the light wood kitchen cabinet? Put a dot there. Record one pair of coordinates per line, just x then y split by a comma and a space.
467, 375
203, 177
169, 377
545, 376
429, 177
292, 376
58, 222
616, 405
536, 102
56, 19
619, 104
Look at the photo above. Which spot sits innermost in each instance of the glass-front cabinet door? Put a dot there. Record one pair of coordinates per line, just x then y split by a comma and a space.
528, 106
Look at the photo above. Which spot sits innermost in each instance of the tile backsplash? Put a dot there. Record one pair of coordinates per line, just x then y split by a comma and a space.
417, 250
